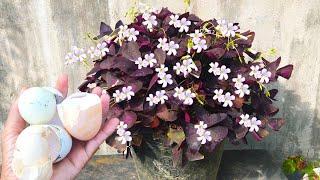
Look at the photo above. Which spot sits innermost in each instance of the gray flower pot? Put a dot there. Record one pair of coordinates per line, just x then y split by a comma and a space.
153, 161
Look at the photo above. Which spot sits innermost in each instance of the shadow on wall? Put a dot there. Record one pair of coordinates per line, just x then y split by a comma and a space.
292, 139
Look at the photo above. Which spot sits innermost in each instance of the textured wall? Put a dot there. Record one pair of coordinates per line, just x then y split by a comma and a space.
36, 34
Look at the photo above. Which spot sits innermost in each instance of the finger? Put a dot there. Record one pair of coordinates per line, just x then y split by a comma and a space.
103, 134
97, 91
62, 84
105, 100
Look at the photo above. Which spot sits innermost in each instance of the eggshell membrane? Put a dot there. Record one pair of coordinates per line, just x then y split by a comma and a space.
37, 105
65, 142
43, 171
81, 115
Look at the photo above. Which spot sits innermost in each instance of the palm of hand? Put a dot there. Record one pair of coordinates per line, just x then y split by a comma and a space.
80, 153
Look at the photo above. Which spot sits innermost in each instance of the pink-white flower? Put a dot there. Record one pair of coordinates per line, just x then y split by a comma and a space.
101, 49
242, 90
214, 68
172, 48
124, 137
224, 71
204, 137
228, 98
163, 44
152, 99
184, 25
196, 36
201, 127
265, 75
218, 95
227, 29
254, 124
131, 34
255, 71
149, 20
127, 91
165, 80
238, 81
161, 70
141, 63
121, 127
179, 68
175, 21
179, 93
149, 58
200, 45
245, 120
161, 95
118, 96
188, 97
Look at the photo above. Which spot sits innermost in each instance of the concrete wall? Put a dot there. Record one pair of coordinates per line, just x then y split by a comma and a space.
36, 34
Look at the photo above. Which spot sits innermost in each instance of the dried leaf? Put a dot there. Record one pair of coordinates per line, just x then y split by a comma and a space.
165, 114
160, 56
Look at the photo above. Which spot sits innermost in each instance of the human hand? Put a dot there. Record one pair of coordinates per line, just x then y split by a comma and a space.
80, 153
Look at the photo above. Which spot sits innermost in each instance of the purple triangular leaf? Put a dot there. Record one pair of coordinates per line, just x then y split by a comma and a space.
160, 56
141, 72
285, 71
129, 118
130, 50
215, 53
276, 123
165, 114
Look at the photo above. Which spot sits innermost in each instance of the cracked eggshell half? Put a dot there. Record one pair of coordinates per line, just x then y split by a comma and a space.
32, 157
65, 142
37, 105
81, 115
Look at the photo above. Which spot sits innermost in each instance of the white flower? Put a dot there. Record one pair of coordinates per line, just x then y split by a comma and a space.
218, 95
175, 21
255, 71
91, 53
214, 68
149, 58
227, 29
238, 81
141, 63
69, 59
165, 80
179, 68
122, 31
161, 95
228, 98
131, 34
200, 45
188, 97
124, 137
189, 66
121, 128
224, 72
200, 127
163, 44
162, 70
150, 20
242, 90
152, 100
184, 25
196, 36
254, 124
179, 93
101, 49
127, 91
245, 121
119, 96
92, 85
204, 137
265, 75
172, 48
76, 55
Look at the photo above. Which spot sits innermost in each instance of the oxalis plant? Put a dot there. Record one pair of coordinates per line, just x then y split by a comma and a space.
189, 83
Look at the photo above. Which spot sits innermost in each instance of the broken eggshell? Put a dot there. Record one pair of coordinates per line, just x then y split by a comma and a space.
37, 105
32, 157
81, 115
57, 94
65, 142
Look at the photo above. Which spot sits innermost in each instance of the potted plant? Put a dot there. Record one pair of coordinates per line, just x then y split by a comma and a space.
181, 86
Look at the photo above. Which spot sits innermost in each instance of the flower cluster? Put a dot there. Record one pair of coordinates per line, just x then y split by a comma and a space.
203, 135
171, 72
124, 136
125, 94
